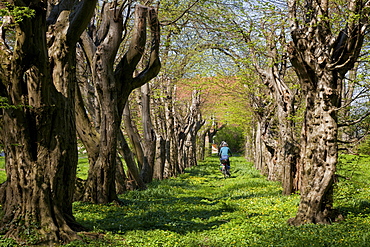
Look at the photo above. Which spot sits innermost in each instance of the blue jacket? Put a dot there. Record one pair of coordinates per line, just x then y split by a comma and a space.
225, 153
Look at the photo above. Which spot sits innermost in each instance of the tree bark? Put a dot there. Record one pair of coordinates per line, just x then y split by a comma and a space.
201, 144
134, 137
160, 159
187, 134
287, 149
128, 156
320, 156
321, 61
39, 131
149, 140
113, 87
100, 184
120, 177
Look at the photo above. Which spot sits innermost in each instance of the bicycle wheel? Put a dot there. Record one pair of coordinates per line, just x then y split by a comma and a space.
224, 171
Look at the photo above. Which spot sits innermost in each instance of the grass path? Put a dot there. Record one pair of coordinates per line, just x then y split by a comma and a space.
201, 208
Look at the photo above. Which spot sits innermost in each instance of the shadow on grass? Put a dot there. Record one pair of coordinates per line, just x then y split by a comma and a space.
195, 171
180, 215
180, 222
358, 208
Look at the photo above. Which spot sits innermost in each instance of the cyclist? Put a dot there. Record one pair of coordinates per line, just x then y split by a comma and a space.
224, 155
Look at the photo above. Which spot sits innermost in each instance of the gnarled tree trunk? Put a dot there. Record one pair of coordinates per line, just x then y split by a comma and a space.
321, 61
39, 130
113, 87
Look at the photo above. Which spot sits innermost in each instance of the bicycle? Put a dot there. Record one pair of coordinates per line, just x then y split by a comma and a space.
224, 154
225, 169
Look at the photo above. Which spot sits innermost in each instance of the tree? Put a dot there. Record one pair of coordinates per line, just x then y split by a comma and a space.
113, 86
38, 79
321, 56
268, 58
253, 36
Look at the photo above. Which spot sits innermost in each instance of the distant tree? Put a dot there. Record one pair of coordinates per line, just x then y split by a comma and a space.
37, 77
256, 44
234, 137
265, 40
354, 114
326, 42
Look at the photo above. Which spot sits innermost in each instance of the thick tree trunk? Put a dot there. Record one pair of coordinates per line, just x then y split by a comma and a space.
166, 129
270, 150
320, 155
114, 86
250, 148
100, 184
172, 142
86, 131
36, 192
201, 144
258, 155
133, 136
160, 159
120, 177
288, 150
321, 61
278, 134
265, 146
39, 132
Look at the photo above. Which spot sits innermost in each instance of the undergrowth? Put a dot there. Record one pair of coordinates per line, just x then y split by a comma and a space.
201, 208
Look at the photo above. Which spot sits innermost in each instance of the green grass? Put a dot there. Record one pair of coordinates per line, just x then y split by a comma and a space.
201, 208
2, 170
83, 167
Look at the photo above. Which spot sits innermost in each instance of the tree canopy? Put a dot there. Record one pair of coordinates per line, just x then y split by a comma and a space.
147, 87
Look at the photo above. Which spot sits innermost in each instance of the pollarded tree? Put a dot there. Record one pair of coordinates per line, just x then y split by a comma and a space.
186, 127
163, 104
38, 79
144, 141
253, 36
322, 54
113, 84
265, 40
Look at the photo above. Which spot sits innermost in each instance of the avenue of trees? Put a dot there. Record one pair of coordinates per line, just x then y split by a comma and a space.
145, 87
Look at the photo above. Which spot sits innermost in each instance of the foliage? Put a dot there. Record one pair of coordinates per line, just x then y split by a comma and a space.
364, 147
18, 13
201, 208
234, 137
7, 242
353, 186
5, 105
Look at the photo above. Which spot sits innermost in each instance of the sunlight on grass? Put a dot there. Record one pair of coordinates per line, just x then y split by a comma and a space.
2, 170
201, 208
83, 167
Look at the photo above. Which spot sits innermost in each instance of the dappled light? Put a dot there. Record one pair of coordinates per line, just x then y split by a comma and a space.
201, 208
118, 120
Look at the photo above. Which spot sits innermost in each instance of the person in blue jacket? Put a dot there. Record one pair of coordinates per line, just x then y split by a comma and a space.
225, 153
